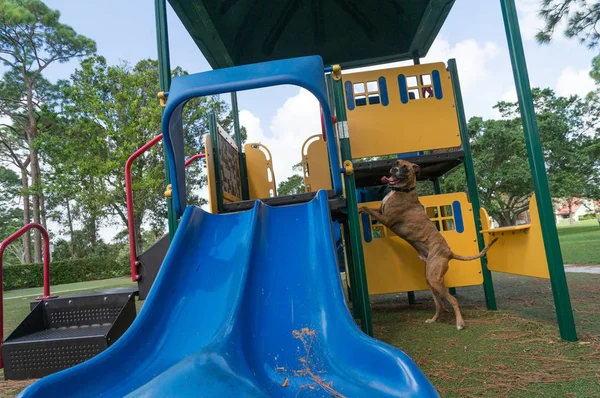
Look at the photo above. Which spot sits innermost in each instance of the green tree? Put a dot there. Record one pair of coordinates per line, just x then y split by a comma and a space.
569, 142
581, 17
84, 248
500, 160
10, 213
294, 184
31, 39
110, 112
568, 139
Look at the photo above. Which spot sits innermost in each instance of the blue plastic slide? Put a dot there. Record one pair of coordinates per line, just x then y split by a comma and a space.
245, 305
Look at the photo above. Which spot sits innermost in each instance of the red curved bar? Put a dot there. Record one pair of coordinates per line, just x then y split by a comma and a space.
135, 276
129, 194
333, 120
194, 158
3, 246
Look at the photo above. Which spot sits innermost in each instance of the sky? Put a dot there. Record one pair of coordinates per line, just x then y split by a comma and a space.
283, 118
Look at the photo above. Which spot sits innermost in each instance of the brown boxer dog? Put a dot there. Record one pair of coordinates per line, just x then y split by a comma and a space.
402, 212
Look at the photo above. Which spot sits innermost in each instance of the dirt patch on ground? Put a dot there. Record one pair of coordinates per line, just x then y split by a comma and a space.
10, 388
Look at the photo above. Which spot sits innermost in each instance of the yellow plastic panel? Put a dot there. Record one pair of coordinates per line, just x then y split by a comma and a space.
393, 265
423, 123
315, 164
210, 174
261, 179
520, 249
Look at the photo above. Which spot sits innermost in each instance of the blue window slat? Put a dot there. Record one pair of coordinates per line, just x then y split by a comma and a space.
458, 217
403, 89
383, 91
366, 224
349, 95
437, 85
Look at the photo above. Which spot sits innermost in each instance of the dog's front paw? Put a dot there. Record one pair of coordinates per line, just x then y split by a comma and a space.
460, 325
432, 320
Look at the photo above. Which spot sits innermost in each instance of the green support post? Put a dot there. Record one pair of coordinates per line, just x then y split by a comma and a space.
558, 280
361, 299
164, 75
356, 309
411, 295
437, 189
488, 284
238, 141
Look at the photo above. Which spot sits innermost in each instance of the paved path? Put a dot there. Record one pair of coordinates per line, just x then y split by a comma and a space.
585, 269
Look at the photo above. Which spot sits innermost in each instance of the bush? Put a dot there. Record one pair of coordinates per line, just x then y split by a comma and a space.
70, 271
589, 217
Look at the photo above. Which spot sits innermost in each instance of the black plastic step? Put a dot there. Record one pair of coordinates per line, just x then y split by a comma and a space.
65, 333
337, 205
62, 332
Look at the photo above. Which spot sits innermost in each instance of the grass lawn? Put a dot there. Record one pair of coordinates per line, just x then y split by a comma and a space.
513, 352
580, 243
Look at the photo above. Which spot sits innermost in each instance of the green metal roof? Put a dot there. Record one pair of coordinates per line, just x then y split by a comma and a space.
347, 32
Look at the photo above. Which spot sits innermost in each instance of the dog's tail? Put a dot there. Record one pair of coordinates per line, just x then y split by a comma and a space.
475, 257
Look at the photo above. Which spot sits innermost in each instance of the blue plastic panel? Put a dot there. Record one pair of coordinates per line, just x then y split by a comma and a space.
237, 304
306, 72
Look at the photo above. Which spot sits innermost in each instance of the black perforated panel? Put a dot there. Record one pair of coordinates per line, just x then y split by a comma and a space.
83, 316
34, 359
56, 358
65, 333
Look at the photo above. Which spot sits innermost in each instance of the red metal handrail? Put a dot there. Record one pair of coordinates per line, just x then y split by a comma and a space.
135, 276
129, 194
194, 158
47, 295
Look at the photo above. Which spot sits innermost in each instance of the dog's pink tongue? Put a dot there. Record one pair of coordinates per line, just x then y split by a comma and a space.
385, 180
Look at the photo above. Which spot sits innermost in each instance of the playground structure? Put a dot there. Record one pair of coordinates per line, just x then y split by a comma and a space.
267, 274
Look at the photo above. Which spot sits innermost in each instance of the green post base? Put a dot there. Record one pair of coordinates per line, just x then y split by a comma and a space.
452, 291
411, 298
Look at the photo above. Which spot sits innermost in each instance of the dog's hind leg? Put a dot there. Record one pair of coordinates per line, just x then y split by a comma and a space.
438, 304
436, 269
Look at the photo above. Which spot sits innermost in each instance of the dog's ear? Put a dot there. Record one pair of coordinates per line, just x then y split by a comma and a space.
417, 169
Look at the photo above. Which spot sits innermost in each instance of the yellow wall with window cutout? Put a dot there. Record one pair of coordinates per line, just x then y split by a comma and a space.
393, 265
419, 125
